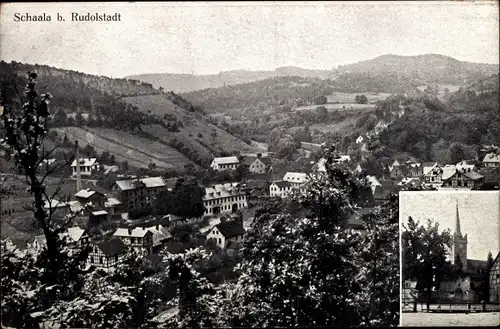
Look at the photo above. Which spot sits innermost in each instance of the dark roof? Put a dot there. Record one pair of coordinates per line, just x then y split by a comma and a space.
475, 266
403, 169
112, 246
248, 160
471, 175
266, 160
230, 229
255, 184
281, 184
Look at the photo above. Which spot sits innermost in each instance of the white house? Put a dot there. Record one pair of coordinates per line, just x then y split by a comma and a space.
226, 233
223, 198
296, 178
87, 166
491, 160
47, 162
225, 163
280, 189
359, 140
140, 238
75, 236
467, 165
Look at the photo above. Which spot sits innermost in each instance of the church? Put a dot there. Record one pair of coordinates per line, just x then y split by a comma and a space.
470, 286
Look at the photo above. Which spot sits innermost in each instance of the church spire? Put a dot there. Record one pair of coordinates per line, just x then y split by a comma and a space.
457, 224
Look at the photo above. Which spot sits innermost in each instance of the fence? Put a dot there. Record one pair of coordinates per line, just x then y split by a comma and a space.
450, 307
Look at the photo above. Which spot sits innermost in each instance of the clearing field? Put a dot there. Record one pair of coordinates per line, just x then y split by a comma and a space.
350, 97
344, 127
340, 106
138, 152
423, 319
199, 136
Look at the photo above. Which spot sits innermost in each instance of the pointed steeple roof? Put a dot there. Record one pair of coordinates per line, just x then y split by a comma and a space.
457, 224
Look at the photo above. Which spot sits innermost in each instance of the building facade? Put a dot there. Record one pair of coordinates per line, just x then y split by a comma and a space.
139, 239
225, 163
87, 167
464, 179
227, 233
224, 198
107, 254
138, 194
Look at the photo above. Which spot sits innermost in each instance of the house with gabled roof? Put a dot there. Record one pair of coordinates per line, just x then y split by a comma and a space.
280, 189
227, 233
225, 163
87, 166
107, 253
139, 238
467, 165
400, 171
86, 196
259, 164
491, 160
224, 198
463, 179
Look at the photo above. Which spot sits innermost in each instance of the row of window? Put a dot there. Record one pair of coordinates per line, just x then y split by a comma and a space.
223, 200
93, 260
84, 169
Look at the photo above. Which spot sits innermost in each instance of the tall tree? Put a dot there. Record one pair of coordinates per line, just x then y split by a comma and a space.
424, 255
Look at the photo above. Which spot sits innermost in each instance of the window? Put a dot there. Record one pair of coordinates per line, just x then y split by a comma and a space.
220, 240
101, 260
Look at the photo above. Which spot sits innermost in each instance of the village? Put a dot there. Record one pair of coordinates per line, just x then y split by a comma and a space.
228, 206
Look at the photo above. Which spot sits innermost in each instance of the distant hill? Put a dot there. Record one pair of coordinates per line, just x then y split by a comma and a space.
182, 83
387, 73
148, 123
429, 68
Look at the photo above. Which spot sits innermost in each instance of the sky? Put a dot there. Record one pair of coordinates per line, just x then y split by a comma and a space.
479, 213
207, 38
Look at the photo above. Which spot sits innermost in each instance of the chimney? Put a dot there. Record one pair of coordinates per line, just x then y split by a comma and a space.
78, 173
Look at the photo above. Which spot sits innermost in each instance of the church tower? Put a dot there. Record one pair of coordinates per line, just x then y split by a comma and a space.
459, 246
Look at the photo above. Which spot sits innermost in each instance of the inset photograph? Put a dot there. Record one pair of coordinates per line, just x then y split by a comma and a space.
450, 263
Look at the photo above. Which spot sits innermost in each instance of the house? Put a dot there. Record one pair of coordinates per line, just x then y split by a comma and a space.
467, 287
416, 169
76, 236
494, 279
464, 179
399, 172
224, 198
226, 233
359, 140
225, 163
112, 205
396, 163
280, 189
296, 179
87, 196
108, 253
138, 194
63, 208
491, 177
491, 160
87, 166
160, 236
259, 165
467, 165
139, 239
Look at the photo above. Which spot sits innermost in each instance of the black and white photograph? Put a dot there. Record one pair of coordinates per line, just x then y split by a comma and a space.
249, 164
450, 243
